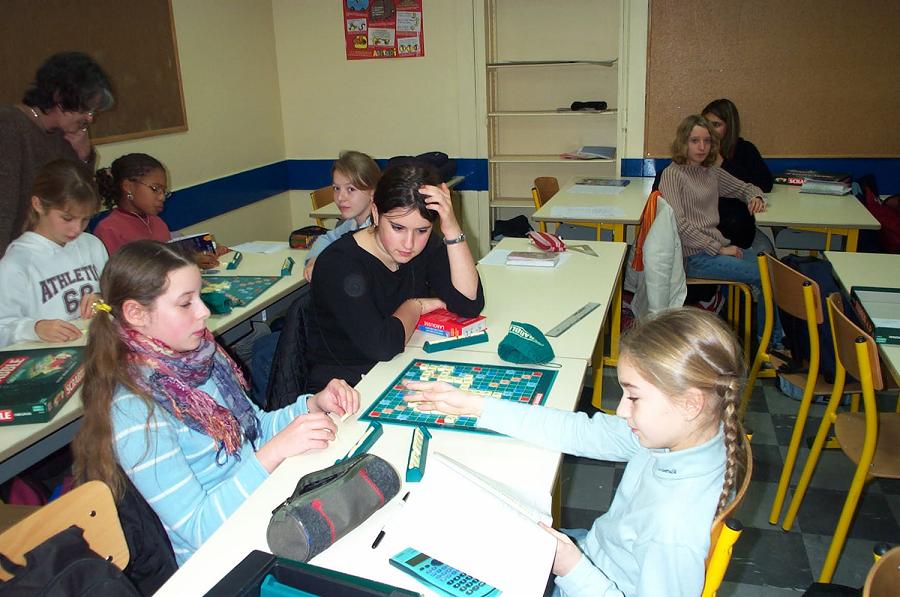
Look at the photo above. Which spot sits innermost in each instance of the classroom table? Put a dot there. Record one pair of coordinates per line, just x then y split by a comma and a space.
526, 468
331, 212
619, 210
545, 297
870, 269
24, 445
842, 215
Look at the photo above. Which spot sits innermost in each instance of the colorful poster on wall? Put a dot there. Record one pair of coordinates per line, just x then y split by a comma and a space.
383, 29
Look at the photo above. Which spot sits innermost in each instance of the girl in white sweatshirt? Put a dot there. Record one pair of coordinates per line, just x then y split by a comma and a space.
50, 275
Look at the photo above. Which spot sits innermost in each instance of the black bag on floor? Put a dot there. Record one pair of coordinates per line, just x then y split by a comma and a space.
65, 565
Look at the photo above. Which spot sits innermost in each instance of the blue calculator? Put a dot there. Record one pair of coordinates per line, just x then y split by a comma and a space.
442, 578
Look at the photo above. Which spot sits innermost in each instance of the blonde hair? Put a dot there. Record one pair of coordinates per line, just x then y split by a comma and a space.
680, 349
359, 167
683, 134
58, 185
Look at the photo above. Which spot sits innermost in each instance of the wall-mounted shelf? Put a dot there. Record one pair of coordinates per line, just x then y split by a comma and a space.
539, 63
567, 112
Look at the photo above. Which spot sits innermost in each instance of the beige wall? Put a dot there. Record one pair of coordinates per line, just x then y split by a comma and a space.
382, 107
229, 76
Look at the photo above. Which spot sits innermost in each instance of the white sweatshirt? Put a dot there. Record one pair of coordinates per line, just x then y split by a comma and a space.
41, 280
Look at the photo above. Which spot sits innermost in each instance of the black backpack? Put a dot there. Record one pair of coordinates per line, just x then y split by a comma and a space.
796, 337
64, 565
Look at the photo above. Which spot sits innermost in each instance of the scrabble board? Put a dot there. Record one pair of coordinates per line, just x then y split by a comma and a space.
528, 385
240, 289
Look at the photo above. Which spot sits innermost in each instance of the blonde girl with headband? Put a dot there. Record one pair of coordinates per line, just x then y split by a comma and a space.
354, 176
163, 401
676, 426
50, 274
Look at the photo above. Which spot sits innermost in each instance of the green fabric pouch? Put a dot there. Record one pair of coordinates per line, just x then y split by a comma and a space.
524, 343
219, 303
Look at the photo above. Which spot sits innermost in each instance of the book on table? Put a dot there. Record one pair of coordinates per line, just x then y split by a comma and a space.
878, 310
825, 187
450, 325
532, 258
591, 152
204, 242
34, 384
797, 176
478, 526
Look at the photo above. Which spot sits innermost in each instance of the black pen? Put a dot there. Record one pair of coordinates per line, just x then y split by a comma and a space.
381, 532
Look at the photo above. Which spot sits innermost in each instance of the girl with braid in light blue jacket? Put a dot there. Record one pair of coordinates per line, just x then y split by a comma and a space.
676, 426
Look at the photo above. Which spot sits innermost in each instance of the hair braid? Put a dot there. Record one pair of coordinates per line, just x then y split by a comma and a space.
734, 438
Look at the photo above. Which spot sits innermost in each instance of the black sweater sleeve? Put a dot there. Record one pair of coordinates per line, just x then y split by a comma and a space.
440, 284
748, 165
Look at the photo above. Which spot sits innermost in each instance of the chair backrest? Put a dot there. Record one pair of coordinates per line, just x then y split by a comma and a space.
786, 285
883, 579
322, 197
846, 336
725, 531
546, 187
89, 506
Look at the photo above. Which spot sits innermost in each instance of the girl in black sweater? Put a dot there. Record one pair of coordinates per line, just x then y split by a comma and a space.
372, 286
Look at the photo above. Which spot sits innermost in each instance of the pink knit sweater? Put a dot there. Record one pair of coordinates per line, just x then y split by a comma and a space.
693, 192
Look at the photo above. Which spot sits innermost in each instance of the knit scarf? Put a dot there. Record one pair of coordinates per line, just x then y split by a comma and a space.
172, 379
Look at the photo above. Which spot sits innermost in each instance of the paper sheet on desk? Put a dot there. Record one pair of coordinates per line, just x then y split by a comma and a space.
261, 246
594, 212
594, 189
463, 524
498, 257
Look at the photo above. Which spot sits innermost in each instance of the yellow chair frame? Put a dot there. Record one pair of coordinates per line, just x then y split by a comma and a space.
725, 532
800, 296
320, 198
875, 455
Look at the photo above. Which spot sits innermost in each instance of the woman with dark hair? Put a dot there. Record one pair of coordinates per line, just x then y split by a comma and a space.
50, 123
741, 159
372, 286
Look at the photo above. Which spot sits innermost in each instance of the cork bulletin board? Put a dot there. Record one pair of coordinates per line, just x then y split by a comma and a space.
132, 40
817, 78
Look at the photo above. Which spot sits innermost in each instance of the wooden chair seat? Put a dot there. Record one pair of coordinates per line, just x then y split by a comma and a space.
822, 387
883, 579
850, 429
89, 506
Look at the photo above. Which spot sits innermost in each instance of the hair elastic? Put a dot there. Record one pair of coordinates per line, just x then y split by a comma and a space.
100, 305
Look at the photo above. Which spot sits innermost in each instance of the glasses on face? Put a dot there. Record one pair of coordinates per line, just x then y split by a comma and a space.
159, 190
86, 113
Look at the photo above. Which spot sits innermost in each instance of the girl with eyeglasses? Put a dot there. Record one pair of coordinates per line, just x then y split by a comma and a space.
50, 275
135, 189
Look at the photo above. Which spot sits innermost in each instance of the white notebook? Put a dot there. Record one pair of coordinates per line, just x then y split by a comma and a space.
484, 528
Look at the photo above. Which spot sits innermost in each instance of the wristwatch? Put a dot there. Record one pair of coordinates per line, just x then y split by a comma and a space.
455, 241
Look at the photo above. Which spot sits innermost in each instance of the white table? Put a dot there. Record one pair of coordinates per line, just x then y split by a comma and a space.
23, 445
544, 297
524, 467
870, 269
843, 215
628, 205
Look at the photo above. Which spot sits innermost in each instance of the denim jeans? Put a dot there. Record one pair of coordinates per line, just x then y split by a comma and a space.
745, 269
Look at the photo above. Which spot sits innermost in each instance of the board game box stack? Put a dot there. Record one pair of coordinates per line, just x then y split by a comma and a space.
878, 310
34, 384
450, 325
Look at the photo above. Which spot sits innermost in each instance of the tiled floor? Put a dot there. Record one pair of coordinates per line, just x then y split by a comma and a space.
766, 561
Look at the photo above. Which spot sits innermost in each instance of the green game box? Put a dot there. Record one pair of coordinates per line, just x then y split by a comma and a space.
879, 311
34, 384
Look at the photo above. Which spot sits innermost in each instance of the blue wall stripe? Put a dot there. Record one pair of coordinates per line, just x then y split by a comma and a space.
216, 197
207, 200
886, 170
